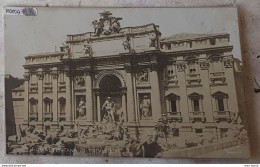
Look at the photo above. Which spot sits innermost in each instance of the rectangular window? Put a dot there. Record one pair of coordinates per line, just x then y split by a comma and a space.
212, 41
33, 107
47, 106
171, 70
62, 108
198, 130
221, 105
192, 70
173, 106
196, 105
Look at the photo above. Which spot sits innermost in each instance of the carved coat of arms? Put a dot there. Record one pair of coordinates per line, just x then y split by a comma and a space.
107, 24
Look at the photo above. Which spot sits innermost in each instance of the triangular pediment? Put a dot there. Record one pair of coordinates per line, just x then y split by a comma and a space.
46, 99
172, 96
62, 100
195, 96
220, 94
33, 100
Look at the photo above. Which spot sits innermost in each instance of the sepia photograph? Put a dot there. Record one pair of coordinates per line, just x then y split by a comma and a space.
124, 82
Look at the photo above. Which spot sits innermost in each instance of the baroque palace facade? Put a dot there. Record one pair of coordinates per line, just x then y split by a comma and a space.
190, 78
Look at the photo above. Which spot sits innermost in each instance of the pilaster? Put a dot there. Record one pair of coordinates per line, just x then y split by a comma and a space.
26, 98
155, 93
130, 97
55, 94
40, 94
205, 81
181, 75
89, 96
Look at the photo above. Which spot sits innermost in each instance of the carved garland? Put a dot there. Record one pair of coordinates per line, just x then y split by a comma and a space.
181, 66
54, 74
40, 75
228, 62
204, 65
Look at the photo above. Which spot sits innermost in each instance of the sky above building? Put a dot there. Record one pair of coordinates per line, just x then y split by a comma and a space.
45, 32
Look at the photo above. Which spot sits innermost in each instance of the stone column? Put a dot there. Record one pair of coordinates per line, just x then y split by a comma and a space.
89, 95
155, 95
123, 93
205, 81
40, 93
98, 107
55, 94
68, 109
184, 101
130, 97
231, 85
26, 98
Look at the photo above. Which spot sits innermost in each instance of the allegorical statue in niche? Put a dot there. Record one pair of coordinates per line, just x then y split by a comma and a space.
145, 107
109, 107
81, 108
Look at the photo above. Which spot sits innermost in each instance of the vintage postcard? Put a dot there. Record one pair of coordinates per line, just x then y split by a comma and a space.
124, 82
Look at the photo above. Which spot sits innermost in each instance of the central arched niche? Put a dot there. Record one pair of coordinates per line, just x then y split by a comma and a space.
110, 86
110, 83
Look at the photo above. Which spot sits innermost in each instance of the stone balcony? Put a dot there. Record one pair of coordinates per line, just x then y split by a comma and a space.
33, 87
222, 115
61, 86
172, 80
33, 116
197, 116
193, 79
47, 116
174, 116
217, 77
47, 87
